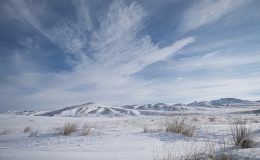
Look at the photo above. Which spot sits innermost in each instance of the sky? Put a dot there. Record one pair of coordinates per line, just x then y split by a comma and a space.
57, 53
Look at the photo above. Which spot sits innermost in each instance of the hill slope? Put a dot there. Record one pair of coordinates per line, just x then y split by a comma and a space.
92, 109
225, 102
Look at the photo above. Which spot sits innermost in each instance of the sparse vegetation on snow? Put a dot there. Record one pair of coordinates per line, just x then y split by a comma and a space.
189, 133
180, 126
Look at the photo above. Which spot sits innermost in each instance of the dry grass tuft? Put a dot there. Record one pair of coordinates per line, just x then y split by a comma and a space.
33, 133
86, 129
180, 126
202, 155
205, 156
145, 128
69, 128
58, 131
27, 129
195, 119
222, 154
239, 121
212, 119
242, 136
196, 156
30, 131
223, 157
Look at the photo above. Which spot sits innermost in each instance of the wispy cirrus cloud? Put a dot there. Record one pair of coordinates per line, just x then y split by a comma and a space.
217, 60
207, 88
204, 12
116, 43
104, 58
116, 52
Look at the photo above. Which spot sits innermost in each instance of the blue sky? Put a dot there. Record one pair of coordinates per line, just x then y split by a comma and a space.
57, 53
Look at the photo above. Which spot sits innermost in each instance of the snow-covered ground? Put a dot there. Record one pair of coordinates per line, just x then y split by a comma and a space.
123, 137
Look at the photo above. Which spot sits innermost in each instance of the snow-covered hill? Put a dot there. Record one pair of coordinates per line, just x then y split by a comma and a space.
92, 109
225, 102
160, 109
200, 104
21, 112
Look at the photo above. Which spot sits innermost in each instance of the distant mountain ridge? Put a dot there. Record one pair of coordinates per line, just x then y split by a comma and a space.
225, 102
93, 110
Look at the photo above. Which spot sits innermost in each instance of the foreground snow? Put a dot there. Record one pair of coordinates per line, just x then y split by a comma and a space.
123, 138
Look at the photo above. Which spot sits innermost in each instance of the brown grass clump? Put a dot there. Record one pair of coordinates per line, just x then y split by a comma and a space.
222, 154
242, 136
30, 131
194, 119
58, 131
69, 128
86, 129
33, 133
204, 156
212, 119
180, 126
145, 128
27, 129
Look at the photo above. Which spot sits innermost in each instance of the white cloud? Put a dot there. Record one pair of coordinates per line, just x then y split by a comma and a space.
107, 58
158, 55
207, 88
207, 11
216, 60
116, 43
